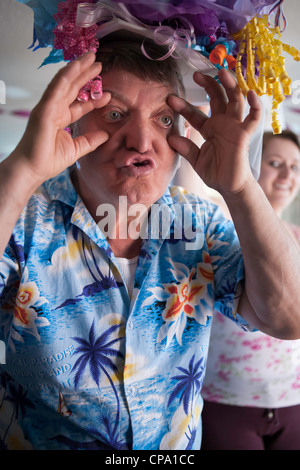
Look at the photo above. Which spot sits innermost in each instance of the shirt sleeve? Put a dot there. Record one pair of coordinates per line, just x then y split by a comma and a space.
228, 265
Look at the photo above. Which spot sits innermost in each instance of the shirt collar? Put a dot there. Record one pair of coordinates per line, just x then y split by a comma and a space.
166, 198
61, 188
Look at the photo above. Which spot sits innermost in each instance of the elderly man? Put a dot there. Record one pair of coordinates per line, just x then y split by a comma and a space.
107, 331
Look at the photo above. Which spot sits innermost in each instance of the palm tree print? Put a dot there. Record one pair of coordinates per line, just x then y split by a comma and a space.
17, 396
189, 384
100, 282
189, 387
95, 353
4, 381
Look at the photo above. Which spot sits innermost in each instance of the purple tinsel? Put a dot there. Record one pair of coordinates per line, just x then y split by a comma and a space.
219, 17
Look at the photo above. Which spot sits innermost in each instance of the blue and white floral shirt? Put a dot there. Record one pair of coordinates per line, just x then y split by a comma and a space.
86, 366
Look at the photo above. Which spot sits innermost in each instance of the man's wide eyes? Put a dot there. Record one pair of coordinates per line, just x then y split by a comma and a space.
112, 115
166, 120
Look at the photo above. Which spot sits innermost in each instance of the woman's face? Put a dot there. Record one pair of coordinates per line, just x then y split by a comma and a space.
280, 172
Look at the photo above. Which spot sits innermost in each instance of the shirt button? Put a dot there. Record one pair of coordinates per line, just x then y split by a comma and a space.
130, 325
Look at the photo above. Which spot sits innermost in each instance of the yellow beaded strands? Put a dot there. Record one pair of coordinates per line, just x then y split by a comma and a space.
257, 40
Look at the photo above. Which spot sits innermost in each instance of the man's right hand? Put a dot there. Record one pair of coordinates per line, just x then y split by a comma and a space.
46, 148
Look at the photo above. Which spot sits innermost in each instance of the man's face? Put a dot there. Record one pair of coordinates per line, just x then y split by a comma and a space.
137, 160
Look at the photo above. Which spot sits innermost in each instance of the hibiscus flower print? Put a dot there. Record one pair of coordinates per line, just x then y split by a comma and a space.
188, 297
27, 296
24, 315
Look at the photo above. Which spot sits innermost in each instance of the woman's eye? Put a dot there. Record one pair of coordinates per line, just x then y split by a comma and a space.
166, 120
274, 164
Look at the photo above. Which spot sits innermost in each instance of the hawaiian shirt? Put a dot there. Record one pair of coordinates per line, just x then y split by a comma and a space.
86, 366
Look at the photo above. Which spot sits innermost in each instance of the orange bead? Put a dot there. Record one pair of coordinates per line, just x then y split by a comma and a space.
231, 61
218, 54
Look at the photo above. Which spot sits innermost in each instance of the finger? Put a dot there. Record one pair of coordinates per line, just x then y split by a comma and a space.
184, 147
236, 100
191, 113
80, 108
88, 142
83, 75
217, 97
68, 81
252, 119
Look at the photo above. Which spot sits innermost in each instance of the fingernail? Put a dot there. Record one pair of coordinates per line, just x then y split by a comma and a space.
83, 95
96, 88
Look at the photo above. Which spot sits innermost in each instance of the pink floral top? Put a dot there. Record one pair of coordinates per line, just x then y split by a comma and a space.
251, 368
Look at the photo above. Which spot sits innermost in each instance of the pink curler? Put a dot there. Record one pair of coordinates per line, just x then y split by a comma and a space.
83, 95
96, 88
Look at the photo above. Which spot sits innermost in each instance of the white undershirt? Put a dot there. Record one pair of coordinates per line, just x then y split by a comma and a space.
128, 268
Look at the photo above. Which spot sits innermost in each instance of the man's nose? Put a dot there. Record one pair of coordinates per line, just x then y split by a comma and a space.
139, 135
